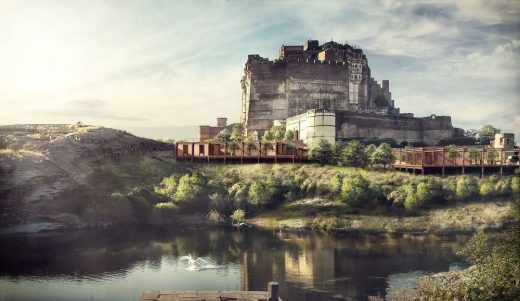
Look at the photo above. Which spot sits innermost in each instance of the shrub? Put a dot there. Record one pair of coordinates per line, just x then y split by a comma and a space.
496, 275
238, 216
515, 186
221, 203
214, 216
165, 208
336, 183
167, 187
309, 186
322, 152
383, 155
259, 194
239, 193
354, 155
466, 188
355, 190
189, 188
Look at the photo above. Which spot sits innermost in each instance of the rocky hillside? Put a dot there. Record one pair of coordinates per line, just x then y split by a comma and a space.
41, 163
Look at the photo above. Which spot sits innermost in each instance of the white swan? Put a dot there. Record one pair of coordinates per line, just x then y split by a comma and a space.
197, 264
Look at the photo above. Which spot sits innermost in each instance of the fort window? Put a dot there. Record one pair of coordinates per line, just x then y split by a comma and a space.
185, 150
201, 150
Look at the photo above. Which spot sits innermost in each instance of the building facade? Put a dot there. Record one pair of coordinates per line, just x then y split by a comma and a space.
333, 77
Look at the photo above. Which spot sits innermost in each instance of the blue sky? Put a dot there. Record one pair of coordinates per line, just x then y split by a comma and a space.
158, 68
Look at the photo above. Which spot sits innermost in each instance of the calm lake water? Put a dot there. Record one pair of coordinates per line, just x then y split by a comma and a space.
117, 264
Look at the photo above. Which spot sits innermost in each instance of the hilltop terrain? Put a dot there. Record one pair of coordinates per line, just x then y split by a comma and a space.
44, 163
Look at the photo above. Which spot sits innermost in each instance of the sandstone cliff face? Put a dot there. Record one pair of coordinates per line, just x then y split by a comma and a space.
44, 162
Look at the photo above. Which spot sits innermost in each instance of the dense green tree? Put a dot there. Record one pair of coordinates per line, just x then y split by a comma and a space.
337, 150
322, 152
278, 132
290, 135
237, 132
233, 146
223, 136
452, 153
384, 155
268, 136
487, 133
250, 145
370, 150
354, 154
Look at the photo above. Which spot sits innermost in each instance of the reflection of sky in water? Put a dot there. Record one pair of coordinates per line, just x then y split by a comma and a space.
127, 285
118, 265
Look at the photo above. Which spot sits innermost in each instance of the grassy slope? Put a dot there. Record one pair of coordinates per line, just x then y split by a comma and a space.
328, 214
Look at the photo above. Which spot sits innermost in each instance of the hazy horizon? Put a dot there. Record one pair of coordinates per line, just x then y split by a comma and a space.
158, 69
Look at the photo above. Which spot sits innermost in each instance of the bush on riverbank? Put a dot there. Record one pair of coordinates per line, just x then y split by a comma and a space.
495, 274
158, 191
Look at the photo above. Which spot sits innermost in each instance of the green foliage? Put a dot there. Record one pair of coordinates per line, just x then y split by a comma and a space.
491, 155
495, 186
337, 150
336, 183
370, 150
167, 187
189, 188
309, 186
383, 155
322, 152
466, 188
233, 146
237, 132
290, 135
239, 193
494, 276
354, 154
267, 145
238, 216
474, 155
278, 132
268, 136
418, 194
221, 203
487, 133
515, 186
356, 191
250, 145
166, 209
452, 153
259, 194
223, 136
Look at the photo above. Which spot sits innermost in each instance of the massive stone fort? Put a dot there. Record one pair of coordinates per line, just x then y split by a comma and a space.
327, 91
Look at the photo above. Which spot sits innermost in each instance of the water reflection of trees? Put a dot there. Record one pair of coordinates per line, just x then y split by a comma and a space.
307, 265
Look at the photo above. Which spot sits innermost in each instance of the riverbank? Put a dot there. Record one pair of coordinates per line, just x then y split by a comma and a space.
323, 214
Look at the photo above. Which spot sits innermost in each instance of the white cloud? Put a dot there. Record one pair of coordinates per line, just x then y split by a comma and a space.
179, 63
